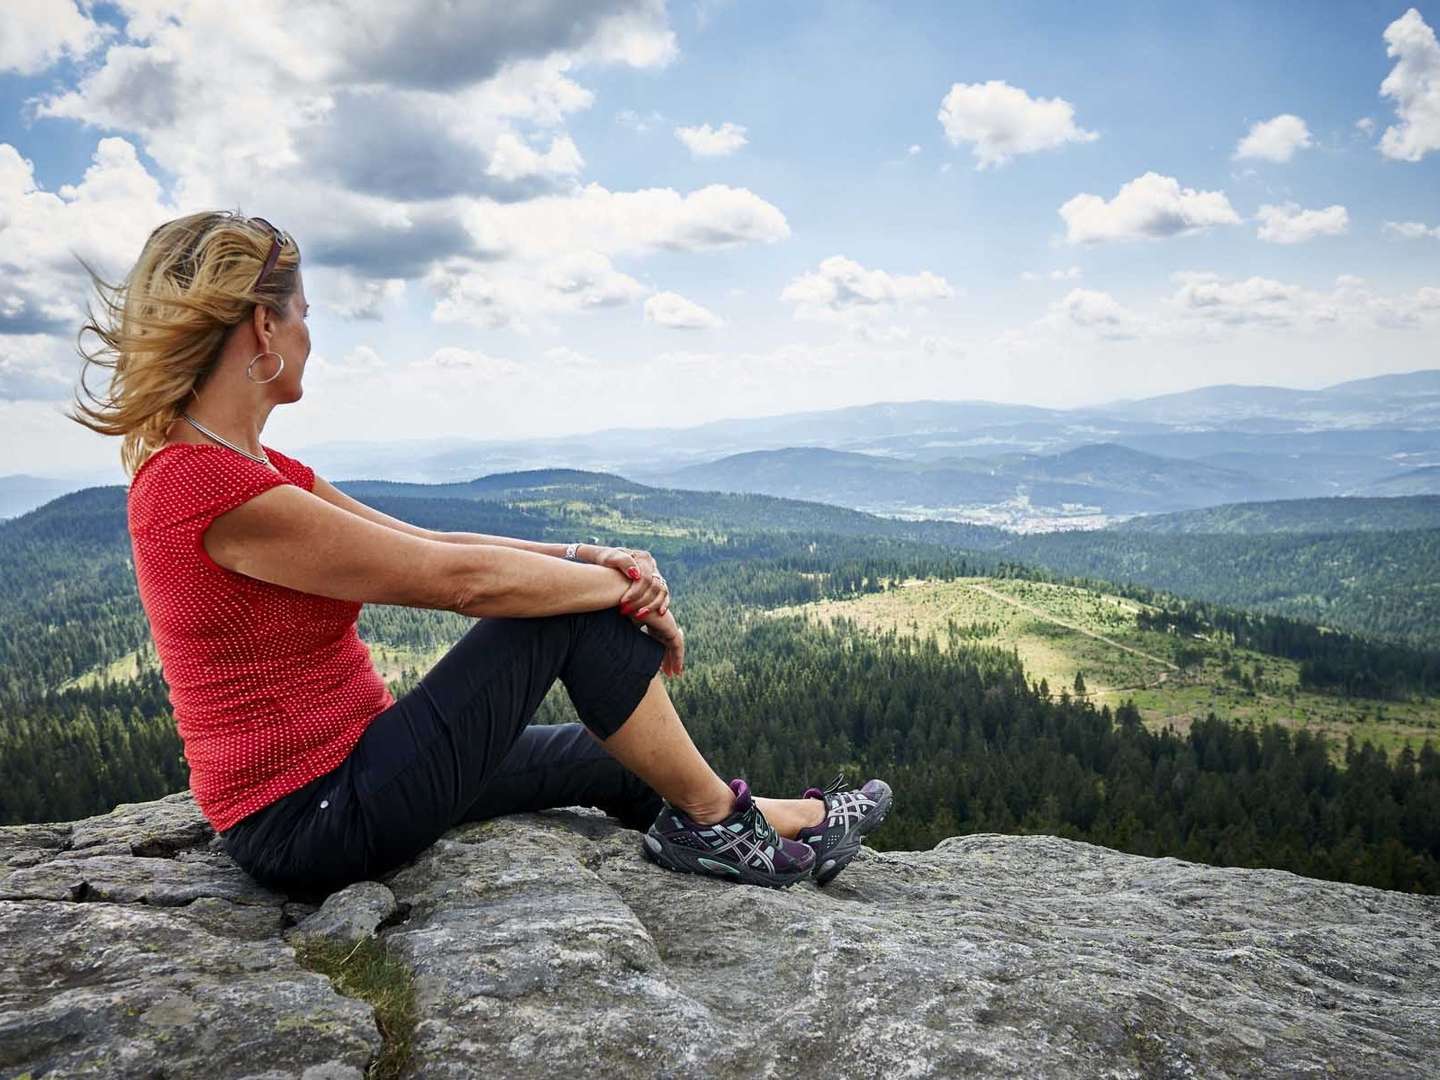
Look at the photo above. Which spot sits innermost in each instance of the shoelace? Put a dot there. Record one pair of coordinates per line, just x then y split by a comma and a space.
762, 827
837, 785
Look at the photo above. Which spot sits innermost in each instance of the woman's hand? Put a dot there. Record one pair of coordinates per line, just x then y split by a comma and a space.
664, 629
648, 591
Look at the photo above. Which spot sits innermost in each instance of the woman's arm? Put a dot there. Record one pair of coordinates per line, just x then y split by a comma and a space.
335, 497
585, 553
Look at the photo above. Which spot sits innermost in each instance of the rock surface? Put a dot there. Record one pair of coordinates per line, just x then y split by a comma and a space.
544, 945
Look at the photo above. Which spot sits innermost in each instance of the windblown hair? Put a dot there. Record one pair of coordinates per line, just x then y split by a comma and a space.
162, 326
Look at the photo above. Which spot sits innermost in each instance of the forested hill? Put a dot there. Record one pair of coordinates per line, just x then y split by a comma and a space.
1337, 515
1367, 566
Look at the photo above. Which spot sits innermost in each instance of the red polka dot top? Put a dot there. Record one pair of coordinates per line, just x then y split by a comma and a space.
270, 687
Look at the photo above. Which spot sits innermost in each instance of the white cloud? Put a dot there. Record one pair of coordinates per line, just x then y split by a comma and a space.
425, 144
1069, 273
1205, 308
382, 130
1208, 302
1365, 125
1289, 224
469, 360
31, 368
652, 219
1276, 139
1235, 301
675, 311
1001, 120
705, 141
566, 357
353, 297
515, 295
840, 287
640, 124
34, 34
1148, 206
514, 159
913, 149
1412, 230
104, 219
1414, 83
1098, 312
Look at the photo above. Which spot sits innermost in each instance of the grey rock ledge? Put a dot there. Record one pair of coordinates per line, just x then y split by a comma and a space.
545, 945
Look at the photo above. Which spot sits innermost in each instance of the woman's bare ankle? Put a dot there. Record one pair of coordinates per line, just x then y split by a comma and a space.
710, 811
789, 816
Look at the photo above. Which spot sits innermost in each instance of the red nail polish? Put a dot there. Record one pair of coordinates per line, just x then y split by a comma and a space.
634, 574
624, 609
643, 611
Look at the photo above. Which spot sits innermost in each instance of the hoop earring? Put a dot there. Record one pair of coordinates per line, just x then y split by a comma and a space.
257, 356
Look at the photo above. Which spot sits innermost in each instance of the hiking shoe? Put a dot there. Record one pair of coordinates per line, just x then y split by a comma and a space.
744, 847
849, 815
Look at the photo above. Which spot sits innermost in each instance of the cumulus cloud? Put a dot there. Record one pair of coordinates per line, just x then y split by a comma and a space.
1209, 301
1414, 84
1098, 312
651, 219
1209, 307
428, 145
1148, 206
1275, 139
1069, 273
1001, 121
104, 219
34, 34
841, 287
31, 365
638, 123
1289, 224
493, 297
1412, 230
675, 311
1236, 301
353, 297
441, 45
705, 141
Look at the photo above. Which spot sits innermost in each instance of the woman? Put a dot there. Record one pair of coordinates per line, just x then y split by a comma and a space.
252, 572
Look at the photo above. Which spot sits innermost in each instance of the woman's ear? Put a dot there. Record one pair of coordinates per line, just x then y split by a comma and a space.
263, 323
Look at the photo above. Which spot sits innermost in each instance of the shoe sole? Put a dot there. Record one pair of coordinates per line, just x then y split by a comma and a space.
840, 857
685, 861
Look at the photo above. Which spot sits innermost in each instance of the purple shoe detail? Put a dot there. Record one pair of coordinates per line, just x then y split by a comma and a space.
743, 847
849, 815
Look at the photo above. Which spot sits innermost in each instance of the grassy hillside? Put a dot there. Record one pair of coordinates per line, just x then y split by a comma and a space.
1059, 630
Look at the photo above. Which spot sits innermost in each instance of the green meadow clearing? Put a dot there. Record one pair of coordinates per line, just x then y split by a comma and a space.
1059, 630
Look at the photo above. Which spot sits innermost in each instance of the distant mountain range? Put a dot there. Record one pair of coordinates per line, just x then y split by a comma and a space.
1017, 466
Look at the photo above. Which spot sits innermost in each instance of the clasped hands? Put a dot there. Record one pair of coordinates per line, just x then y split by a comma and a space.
648, 598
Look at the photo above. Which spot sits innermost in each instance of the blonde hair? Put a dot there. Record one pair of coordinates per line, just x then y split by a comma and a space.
162, 326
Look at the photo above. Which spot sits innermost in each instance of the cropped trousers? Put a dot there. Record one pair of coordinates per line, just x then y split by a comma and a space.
460, 747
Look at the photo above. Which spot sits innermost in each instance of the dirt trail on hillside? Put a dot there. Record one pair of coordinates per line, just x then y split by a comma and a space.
1069, 626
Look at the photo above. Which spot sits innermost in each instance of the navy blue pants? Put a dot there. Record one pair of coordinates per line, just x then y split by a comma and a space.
460, 747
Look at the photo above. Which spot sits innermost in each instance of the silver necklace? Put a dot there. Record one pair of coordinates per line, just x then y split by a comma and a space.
262, 459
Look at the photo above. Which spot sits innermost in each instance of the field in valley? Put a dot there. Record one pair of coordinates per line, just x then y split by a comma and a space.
1059, 630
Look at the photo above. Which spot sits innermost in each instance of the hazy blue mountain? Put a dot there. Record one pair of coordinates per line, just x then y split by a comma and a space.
1113, 478
997, 463
1411, 399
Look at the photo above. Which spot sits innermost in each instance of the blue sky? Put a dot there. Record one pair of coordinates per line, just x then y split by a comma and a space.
505, 233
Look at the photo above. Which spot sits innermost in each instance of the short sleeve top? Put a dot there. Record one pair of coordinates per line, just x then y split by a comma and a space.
271, 687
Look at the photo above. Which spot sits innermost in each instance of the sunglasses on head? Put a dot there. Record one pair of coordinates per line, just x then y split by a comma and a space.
278, 240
